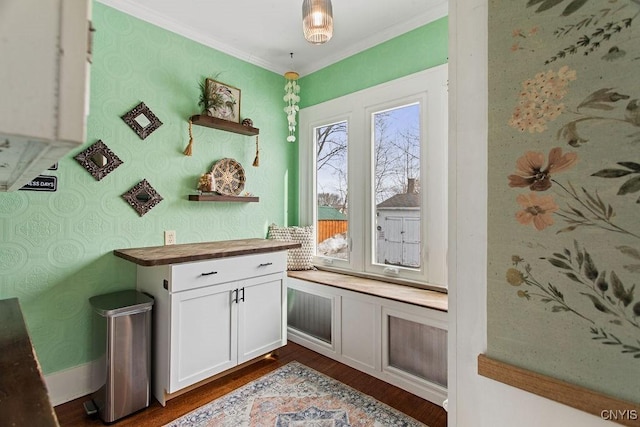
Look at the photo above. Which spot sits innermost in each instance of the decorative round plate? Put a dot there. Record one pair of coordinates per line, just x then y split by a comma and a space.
228, 177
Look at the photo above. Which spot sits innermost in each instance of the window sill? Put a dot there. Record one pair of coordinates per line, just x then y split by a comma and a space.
399, 292
384, 278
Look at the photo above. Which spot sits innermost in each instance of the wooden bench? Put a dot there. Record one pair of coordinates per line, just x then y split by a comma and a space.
392, 291
393, 332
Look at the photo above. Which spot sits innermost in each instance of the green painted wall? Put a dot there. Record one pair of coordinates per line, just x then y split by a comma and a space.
414, 51
56, 248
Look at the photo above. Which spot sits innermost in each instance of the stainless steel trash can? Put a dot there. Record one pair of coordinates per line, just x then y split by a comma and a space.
123, 336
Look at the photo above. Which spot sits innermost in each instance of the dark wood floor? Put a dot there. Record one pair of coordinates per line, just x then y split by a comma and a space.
72, 413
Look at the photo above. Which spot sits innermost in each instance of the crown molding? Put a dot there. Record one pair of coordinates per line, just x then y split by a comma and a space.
436, 12
146, 14
152, 17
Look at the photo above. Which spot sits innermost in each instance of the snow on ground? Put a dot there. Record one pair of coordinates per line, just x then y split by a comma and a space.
336, 246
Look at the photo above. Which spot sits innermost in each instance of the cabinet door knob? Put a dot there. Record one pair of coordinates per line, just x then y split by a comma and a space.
234, 298
209, 273
266, 264
242, 298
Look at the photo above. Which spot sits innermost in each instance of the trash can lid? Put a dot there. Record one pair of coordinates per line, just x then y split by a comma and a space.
122, 302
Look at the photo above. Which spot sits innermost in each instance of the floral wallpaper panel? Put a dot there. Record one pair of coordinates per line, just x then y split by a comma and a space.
564, 190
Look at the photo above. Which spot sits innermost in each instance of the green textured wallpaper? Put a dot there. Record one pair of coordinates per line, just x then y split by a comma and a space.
417, 50
56, 248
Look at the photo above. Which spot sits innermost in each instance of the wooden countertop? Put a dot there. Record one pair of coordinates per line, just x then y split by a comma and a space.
24, 400
422, 297
189, 252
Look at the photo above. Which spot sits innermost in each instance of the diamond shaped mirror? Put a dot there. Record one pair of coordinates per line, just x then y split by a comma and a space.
98, 160
142, 120
142, 197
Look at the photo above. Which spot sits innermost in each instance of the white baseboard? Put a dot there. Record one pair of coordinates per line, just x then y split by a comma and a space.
73, 383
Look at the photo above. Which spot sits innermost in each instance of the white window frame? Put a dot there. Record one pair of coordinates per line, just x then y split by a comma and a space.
429, 88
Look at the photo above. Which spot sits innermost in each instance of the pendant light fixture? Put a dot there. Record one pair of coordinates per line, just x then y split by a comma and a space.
291, 97
317, 20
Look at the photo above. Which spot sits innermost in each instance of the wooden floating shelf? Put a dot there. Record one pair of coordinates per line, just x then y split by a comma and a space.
221, 198
226, 125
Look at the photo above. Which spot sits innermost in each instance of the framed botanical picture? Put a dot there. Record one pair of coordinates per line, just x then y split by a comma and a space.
223, 101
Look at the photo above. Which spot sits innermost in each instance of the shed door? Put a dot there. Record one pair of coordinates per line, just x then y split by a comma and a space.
411, 242
402, 241
393, 240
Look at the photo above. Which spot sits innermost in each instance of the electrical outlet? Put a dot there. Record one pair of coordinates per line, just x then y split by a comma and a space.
170, 237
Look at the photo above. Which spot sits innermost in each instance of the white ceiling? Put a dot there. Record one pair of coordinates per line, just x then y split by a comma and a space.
264, 32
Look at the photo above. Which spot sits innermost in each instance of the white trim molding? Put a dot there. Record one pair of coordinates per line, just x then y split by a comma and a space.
72, 383
137, 10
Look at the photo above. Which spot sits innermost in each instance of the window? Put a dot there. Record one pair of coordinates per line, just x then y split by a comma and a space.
373, 179
331, 191
396, 186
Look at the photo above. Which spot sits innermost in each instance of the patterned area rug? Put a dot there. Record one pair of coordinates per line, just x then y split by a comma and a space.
295, 396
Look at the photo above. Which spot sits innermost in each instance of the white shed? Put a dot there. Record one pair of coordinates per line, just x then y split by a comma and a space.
398, 229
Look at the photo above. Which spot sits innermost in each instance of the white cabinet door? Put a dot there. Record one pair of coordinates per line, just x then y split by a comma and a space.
261, 321
360, 333
203, 334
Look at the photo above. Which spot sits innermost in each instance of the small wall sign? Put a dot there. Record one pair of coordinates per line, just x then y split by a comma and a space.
42, 183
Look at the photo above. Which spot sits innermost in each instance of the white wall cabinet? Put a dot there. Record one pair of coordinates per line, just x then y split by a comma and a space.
210, 316
44, 82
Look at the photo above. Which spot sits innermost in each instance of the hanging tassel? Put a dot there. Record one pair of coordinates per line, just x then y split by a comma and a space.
187, 151
256, 161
